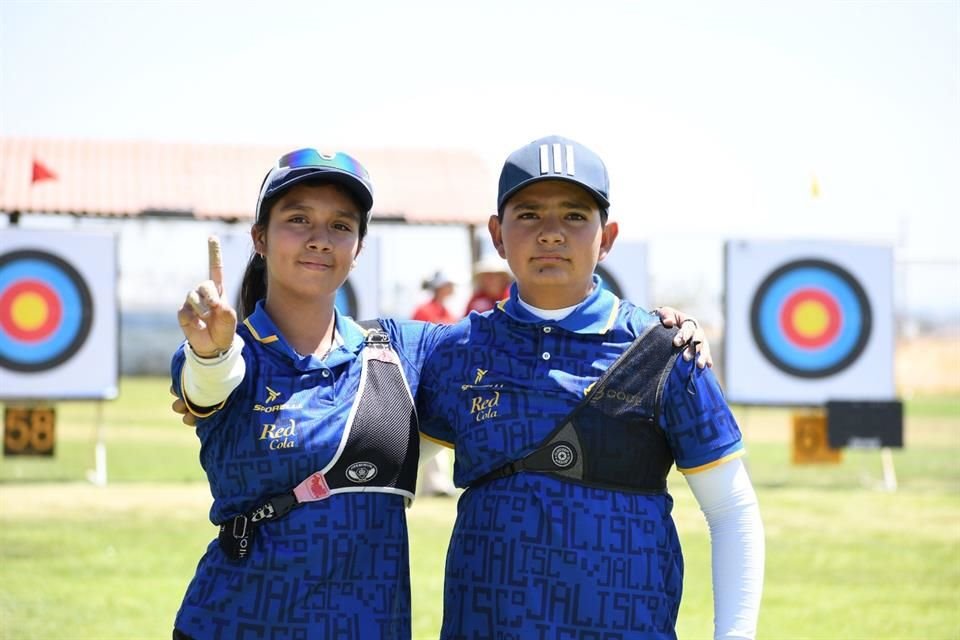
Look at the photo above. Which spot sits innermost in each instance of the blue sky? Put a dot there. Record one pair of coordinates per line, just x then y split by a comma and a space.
714, 118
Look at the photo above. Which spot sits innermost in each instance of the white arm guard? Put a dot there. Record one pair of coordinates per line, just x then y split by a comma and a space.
729, 503
209, 381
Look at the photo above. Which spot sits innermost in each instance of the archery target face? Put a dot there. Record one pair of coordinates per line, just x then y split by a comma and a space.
45, 311
58, 329
807, 323
811, 318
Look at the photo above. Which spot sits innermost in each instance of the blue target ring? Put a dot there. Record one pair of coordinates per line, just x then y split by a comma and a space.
844, 318
33, 278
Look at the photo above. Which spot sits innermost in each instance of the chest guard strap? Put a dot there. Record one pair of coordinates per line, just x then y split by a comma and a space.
613, 440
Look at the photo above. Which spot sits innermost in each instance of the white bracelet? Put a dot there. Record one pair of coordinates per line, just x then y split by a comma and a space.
214, 359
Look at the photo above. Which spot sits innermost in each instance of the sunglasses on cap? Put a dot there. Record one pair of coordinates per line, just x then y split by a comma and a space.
306, 164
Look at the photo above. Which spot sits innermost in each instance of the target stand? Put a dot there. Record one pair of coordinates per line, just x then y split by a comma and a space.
810, 324
868, 425
59, 333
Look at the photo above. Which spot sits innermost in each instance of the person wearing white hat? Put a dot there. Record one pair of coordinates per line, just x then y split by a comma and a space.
436, 478
435, 309
492, 279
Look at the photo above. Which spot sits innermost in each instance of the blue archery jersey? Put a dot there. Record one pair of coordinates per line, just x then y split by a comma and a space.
332, 568
537, 556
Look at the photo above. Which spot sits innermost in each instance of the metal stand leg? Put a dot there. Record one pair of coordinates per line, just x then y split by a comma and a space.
98, 475
889, 473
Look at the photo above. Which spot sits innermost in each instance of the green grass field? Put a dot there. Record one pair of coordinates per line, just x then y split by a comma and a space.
844, 558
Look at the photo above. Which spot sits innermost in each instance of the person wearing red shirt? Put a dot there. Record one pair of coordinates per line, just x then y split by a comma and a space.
434, 310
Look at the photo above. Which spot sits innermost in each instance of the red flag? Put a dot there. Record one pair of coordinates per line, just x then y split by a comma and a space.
41, 172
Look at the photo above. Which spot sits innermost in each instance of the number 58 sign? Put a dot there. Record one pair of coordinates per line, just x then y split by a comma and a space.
28, 431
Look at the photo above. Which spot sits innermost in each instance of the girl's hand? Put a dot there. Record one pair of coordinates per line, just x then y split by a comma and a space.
206, 318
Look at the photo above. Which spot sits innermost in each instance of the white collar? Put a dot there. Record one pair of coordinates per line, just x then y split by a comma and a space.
547, 314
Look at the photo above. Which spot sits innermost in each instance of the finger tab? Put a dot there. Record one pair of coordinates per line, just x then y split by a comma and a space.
214, 252
215, 256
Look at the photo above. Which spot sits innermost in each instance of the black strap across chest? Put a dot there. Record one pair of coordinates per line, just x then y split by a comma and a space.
612, 439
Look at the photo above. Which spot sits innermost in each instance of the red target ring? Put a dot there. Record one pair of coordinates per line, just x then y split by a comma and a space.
30, 311
46, 311
811, 318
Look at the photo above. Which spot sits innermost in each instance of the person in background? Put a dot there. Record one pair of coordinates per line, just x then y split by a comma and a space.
567, 407
492, 278
436, 477
435, 310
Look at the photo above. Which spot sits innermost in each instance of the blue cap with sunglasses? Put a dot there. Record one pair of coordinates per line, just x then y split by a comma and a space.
554, 158
309, 164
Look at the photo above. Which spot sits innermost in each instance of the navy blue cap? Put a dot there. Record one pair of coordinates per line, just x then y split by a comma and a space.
309, 164
554, 158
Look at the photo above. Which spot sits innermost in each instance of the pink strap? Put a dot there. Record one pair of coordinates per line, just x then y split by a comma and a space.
312, 489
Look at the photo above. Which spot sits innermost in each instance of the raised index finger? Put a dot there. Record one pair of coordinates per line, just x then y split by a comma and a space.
216, 262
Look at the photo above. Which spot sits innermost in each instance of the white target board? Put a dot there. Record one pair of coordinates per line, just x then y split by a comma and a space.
624, 271
358, 297
58, 315
808, 322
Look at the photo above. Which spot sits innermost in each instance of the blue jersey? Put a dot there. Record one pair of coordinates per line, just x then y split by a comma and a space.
533, 556
335, 568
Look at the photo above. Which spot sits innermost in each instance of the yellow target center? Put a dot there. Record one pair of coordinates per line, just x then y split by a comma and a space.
810, 319
29, 311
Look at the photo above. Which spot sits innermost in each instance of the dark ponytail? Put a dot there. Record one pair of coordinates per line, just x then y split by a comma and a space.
253, 287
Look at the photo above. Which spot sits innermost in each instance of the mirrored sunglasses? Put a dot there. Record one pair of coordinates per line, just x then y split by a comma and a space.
307, 158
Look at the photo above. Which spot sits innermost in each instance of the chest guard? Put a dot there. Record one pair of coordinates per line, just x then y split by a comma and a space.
378, 452
612, 440
380, 447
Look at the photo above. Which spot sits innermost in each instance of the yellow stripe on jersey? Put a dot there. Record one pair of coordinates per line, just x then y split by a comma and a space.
442, 443
711, 465
256, 335
613, 316
198, 411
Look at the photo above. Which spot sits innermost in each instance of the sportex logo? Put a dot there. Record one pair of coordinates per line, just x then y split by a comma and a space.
267, 405
478, 382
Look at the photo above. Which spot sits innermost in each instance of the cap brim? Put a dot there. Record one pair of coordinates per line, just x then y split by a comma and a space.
350, 182
601, 200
